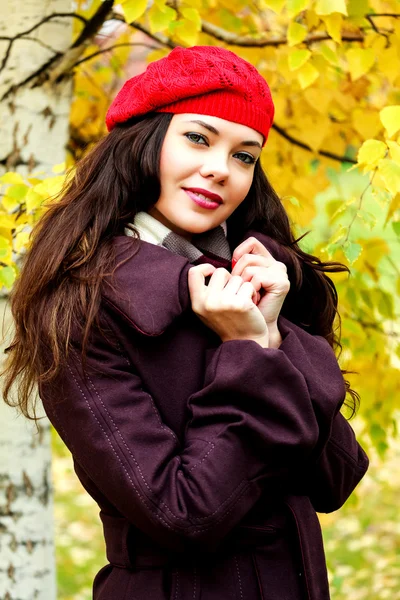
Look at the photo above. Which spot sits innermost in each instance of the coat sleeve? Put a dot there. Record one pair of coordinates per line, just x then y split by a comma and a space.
251, 423
337, 463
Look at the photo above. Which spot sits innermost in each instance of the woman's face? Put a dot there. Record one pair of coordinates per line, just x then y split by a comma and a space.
206, 170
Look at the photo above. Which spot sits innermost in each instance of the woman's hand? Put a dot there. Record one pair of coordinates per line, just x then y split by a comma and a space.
226, 305
254, 264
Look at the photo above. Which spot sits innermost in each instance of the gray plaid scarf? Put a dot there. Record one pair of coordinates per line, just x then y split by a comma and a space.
208, 247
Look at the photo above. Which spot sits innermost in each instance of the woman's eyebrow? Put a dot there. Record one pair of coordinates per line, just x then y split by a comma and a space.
213, 130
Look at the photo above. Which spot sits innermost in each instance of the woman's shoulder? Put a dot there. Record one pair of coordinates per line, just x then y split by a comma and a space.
148, 285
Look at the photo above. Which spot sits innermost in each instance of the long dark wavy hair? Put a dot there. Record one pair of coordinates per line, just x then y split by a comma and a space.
71, 255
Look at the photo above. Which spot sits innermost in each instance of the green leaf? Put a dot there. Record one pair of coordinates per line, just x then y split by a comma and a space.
7, 276
358, 8
17, 192
352, 251
396, 227
338, 235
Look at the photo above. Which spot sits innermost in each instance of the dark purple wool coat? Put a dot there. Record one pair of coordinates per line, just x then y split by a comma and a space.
208, 460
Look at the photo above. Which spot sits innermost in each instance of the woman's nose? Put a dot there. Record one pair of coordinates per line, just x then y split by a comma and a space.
215, 168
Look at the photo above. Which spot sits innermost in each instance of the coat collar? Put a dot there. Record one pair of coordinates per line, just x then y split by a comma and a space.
150, 287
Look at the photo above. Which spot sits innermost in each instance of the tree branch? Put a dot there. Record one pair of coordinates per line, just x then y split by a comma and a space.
375, 327
28, 31
61, 63
325, 153
94, 24
157, 37
251, 42
41, 43
103, 50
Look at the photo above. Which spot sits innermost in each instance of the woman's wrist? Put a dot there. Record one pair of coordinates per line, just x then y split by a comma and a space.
275, 338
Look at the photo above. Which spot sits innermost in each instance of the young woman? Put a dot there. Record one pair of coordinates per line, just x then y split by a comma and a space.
183, 346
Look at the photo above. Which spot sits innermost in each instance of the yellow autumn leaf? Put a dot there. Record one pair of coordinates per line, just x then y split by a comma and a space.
5, 251
306, 75
388, 63
394, 148
60, 168
296, 33
329, 54
7, 221
33, 200
275, 5
133, 9
366, 122
319, 99
294, 7
390, 174
390, 117
311, 19
374, 249
10, 204
12, 177
7, 276
360, 61
394, 205
297, 58
159, 19
191, 14
50, 187
314, 129
157, 54
370, 152
333, 24
21, 241
327, 7
186, 31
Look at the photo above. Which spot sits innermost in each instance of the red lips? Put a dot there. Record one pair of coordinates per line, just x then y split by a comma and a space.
206, 193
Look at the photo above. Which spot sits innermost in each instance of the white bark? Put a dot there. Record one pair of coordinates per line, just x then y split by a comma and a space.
34, 121
27, 564
34, 133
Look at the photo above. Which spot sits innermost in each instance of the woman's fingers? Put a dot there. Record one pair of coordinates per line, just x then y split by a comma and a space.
196, 281
247, 292
233, 284
250, 246
269, 279
218, 280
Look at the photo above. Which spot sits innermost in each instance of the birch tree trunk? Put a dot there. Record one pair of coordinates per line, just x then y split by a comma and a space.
34, 128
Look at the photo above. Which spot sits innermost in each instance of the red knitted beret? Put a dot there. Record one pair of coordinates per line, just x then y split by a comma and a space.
207, 80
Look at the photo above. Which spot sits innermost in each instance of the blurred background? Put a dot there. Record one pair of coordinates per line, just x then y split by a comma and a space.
333, 155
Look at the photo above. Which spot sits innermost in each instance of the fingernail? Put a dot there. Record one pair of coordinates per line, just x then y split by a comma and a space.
234, 261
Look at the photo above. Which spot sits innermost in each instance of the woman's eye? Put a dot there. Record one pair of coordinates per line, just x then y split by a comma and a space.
197, 138
246, 158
